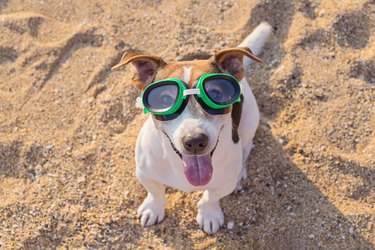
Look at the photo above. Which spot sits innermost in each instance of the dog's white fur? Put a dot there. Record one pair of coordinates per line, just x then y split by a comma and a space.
158, 165
187, 74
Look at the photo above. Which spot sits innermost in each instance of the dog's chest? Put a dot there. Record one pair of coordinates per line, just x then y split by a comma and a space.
160, 162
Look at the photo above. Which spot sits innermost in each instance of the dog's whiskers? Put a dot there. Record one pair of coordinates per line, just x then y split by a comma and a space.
173, 146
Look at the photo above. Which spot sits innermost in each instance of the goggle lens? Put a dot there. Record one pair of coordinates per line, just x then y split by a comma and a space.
221, 91
162, 97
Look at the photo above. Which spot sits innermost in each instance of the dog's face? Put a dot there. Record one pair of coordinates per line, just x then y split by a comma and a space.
194, 132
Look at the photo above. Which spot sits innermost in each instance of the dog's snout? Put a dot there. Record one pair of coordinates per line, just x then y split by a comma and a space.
195, 144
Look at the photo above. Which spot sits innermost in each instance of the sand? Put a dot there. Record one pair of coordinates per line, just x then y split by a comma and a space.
68, 125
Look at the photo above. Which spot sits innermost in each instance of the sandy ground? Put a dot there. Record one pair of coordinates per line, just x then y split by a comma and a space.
68, 125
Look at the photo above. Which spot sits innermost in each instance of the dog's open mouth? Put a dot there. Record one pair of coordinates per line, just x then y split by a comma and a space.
197, 168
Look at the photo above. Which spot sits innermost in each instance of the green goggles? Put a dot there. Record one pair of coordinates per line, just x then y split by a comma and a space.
213, 91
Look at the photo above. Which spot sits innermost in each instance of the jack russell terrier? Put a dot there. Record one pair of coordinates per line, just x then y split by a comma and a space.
201, 128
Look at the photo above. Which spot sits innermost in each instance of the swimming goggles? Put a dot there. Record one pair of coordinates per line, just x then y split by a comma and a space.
215, 92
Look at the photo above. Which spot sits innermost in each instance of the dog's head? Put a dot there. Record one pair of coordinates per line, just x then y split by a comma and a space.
193, 132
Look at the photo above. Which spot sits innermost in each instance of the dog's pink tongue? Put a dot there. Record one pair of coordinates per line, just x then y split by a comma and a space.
198, 169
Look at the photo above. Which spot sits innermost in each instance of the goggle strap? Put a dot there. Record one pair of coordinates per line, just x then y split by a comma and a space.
191, 92
138, 103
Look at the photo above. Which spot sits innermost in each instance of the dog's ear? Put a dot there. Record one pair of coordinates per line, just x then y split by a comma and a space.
146, 67
231, 60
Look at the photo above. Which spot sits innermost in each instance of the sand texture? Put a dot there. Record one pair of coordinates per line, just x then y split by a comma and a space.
68, 124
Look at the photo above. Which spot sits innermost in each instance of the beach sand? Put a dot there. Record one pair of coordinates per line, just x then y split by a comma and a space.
68, 124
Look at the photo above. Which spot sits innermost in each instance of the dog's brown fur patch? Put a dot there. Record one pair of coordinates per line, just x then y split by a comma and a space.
176, 69
236, 118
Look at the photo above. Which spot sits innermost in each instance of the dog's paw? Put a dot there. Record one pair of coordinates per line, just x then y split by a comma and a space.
210, 222
242, 176
239, 187
151, 212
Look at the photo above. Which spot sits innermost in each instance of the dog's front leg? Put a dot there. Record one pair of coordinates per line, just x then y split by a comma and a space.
151, 211
210, 216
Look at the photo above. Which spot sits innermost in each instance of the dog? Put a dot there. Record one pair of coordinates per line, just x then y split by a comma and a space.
194, 149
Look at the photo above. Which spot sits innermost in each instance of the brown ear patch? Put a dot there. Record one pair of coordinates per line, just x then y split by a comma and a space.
243, 51
231, 60
146, 67
130, 57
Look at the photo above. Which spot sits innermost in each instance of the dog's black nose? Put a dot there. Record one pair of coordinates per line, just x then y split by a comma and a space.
195, 144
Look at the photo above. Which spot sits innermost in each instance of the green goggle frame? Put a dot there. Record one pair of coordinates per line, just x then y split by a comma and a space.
183, 91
